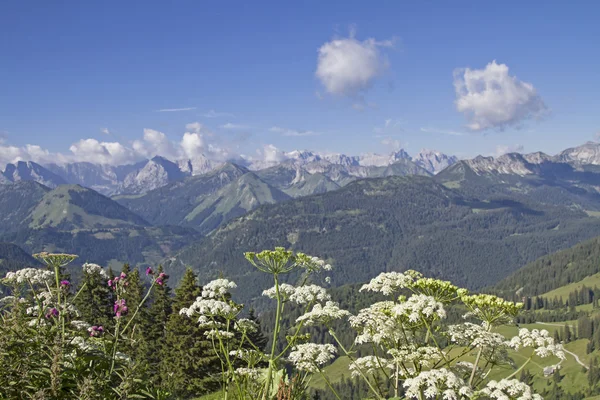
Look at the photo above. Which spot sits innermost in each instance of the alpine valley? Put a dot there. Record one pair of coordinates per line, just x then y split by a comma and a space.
472, 221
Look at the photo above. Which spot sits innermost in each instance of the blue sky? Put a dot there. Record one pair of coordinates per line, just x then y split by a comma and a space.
251, 74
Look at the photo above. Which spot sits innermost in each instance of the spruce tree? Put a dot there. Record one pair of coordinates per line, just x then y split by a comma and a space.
94, 301
188, 361
154, 325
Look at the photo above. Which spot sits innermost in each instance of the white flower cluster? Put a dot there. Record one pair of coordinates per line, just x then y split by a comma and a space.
310, 356
309, 293
315, 264
80, 325
299, 295
211, 307
248, 373
33, 275
420, 306
246, 325
93, 269
376, 324
425, 356
368, 365
539, 340
474, 335
508, 389
217, 333
250, 356
217, 288
388, 283
437, 383
323, 314
285, 291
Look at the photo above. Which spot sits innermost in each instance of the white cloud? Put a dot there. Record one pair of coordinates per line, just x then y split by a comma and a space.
491, 98
105, 131
272, 154
292, 132
176, 109
216, 114
155, 143
393, 144
504, 149
194, 127
94, 151
389, 125
232, 126
347, 66
443, 131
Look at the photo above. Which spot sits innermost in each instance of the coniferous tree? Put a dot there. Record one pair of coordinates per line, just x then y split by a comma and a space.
94, 301
188, 360
154, 323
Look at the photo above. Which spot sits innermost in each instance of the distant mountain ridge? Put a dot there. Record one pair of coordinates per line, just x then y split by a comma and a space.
154, 173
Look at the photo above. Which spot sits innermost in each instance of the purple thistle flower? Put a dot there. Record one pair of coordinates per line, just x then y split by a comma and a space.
123, 275
52, 312
120, 308
65, 283
149, 271
160, 280
96, 331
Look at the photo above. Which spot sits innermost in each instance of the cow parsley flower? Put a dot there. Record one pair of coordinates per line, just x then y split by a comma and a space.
420, 306
437, 383
377, 324
491, 309
246, 325
217, 288
213, 308
388, 283
310, 356
323, 314
474, 335
80, 325
313, 264
248, 373
33, 275
92, 269
285, 292
539, 340
368, 365
508, 389
308, 294
425, 356
217, 333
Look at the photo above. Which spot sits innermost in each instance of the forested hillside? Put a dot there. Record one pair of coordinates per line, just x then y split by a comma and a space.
395, 223
555, 270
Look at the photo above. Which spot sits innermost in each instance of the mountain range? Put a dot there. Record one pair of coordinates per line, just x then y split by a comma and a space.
474, 222
151, 174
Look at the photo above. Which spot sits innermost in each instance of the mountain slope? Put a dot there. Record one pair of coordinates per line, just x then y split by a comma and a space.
554, 270
170, 204
12, 257
394, 223
17, 200
233, 200
71, 207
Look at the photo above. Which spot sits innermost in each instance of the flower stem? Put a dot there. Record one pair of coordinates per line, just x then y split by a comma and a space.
274, 344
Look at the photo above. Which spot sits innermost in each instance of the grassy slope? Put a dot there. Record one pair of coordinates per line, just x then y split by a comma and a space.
590, 282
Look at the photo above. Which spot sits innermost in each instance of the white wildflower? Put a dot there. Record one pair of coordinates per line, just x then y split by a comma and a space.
246, 325
93, 269
285, 291
249, 373
390, 282
377, 324
213, 308
315, 264
217, 333
437, 383
217, 288
80, 325
540, 340
33, 275
509, 389
425, 356
250, 356
370, 364
308, 294
323, 314
419, 307
310, 356
474, 335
